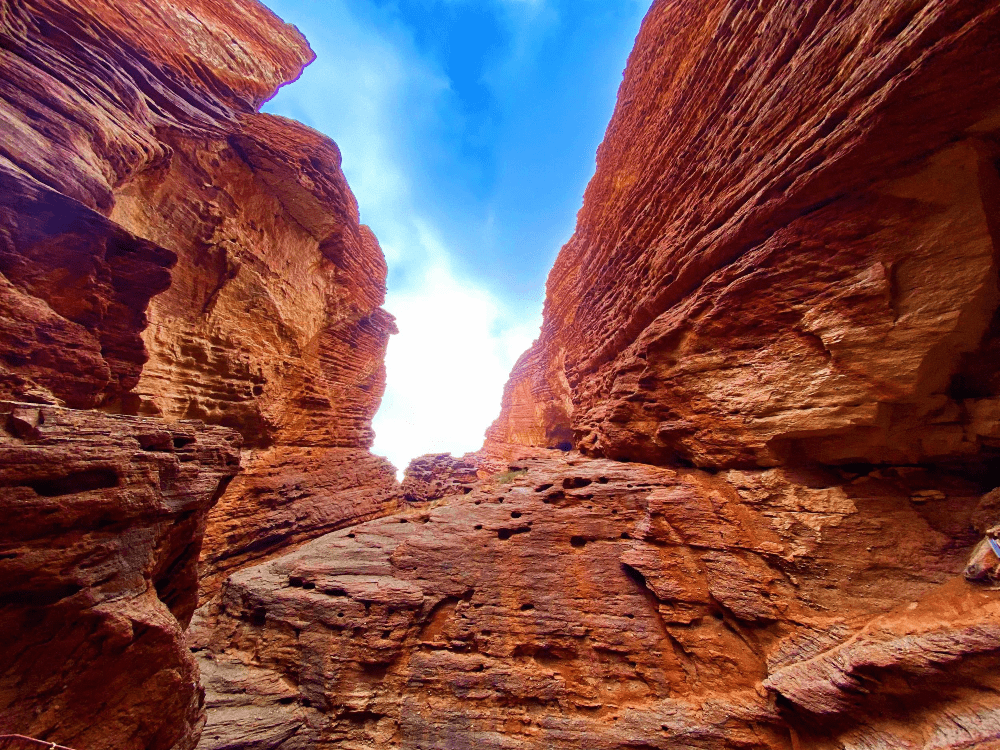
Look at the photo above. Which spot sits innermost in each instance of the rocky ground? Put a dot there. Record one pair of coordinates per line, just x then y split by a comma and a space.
574, 602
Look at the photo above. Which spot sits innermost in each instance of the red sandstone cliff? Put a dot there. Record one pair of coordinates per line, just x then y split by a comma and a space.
166, 252
135, 165
781, 299
99, 573
787, 248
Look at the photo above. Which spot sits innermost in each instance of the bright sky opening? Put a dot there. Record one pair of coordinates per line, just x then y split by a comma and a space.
468, 130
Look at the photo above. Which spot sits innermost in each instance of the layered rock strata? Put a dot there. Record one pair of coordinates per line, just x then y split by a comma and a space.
98, 573
787, 251
170, 251
781, 298
165, 251
574, 602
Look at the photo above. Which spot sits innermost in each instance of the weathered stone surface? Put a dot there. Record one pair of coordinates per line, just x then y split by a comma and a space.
573, 602
91, 85
438, 475
249, 707
787, 250
134, 164
98, 573
784, 272
166, 250
289, 495
73, 294
88, 90
272, 326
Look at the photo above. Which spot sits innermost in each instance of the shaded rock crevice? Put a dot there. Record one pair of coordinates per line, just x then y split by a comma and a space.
99, 573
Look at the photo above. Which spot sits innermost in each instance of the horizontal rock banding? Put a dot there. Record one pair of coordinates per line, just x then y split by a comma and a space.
166, 250
571, 602
786, 252
99, 574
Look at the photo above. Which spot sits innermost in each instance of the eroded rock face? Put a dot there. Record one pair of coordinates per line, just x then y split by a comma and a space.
787, 252
98, 573
781, 297
73, 294
287, 495
573, 602
272, 326
165, 250
169, 251
89, 90
438, 475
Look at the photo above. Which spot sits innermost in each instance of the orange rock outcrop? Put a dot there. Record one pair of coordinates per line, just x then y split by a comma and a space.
586, 603
240, 228
787, 250
99, 573
168, 252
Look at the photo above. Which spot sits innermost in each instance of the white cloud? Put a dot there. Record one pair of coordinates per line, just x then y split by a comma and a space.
374, 94
447, 366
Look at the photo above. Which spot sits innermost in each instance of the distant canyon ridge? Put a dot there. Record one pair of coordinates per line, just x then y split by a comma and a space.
742, 491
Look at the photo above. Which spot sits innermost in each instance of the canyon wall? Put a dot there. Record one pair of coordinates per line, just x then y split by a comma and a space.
736, 482
136, 166
99, 573
733, 488
787, 250
170, 255
586, 603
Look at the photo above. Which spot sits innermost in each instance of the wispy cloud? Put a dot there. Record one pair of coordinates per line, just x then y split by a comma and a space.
387, 105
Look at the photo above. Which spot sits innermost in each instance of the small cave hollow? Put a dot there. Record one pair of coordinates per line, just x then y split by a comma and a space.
74, 482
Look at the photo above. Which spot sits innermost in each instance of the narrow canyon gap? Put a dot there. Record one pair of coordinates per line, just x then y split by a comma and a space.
734, 485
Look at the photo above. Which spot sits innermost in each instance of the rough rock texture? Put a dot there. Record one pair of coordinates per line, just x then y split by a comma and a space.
165, 251
286, 495
438, 475
575, 602
87, 89
98, 573
73, 294
782, 298
133, 163
787, 251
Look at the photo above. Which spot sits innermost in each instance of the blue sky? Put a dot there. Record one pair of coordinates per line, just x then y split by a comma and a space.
468, 130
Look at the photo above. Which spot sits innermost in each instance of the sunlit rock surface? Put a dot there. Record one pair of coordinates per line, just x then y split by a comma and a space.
98, 573
438, 475
771, 341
